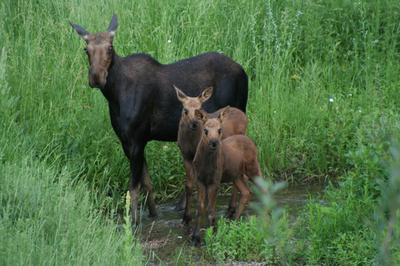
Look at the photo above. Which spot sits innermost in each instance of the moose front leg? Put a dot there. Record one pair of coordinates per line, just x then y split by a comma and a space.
146, 180
212, 191
136, 163
188, 191
201, 209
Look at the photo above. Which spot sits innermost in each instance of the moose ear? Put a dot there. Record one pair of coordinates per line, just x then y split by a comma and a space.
80, 30
112, 28
200, 115
223, 113
206, 94
179, 94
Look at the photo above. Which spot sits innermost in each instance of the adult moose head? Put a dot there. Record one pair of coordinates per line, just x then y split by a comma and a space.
100, 52
142, 101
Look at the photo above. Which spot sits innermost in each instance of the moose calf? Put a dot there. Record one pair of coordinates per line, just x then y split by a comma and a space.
189, 134
233, 159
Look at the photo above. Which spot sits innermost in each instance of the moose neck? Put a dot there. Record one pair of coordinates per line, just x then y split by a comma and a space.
208, 163
109, 91
188, 139
208, 157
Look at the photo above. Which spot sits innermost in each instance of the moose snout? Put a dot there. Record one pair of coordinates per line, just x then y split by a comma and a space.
194, 125
213, 144
97, 79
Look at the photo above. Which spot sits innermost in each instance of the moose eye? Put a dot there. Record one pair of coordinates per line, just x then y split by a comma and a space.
85, 49
185, 111
206, 131
219, 131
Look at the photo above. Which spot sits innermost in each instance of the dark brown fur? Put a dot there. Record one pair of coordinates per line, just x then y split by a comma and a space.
189, 134
233, 159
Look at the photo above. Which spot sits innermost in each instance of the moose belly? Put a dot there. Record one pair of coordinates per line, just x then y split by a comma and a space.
164, 130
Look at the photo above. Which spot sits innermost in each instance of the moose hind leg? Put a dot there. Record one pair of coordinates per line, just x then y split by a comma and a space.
232, 204
245, 195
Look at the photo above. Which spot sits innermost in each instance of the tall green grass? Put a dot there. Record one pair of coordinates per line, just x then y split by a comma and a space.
47, 215
323, 83
298, 54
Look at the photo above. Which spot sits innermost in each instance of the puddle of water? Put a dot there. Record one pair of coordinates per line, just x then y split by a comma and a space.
165, 237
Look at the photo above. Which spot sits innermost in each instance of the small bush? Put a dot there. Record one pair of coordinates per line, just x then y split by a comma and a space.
235, 240
264, 238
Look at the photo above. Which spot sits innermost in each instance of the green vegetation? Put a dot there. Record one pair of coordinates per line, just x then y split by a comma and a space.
262, 238
47, 216
323, 106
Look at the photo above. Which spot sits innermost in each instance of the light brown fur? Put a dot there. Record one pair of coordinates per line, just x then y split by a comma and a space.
189, 134
233, 159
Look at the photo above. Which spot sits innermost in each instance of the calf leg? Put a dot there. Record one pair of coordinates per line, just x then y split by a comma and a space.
232, 204
188, 191
212, 191
146, 180
245, 195
201, 209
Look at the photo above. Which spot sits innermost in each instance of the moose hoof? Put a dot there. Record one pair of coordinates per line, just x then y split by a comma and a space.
230, 214
196, 240
153, 214
186, 219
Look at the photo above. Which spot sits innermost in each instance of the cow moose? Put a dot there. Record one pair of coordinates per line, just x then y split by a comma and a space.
233, 159
189, 134
142, 102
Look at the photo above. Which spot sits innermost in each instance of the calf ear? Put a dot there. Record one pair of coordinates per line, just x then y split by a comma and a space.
206, 94
179, 94
112, 28
223, 113
200, 115
80, 30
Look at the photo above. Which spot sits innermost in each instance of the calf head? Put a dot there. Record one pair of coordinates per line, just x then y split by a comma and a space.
191, 105
212, 128
99, 48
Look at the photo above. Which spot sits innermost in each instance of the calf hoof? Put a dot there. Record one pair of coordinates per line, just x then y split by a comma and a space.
196, 240
230, 213
186, 219
153, 214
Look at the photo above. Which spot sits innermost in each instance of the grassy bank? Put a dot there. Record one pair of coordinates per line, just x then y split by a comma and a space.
48, 216
323, 105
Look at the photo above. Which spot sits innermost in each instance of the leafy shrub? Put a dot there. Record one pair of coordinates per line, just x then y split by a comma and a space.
264, 238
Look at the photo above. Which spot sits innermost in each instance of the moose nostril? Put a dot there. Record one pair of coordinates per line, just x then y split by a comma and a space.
193, 125
213, 144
